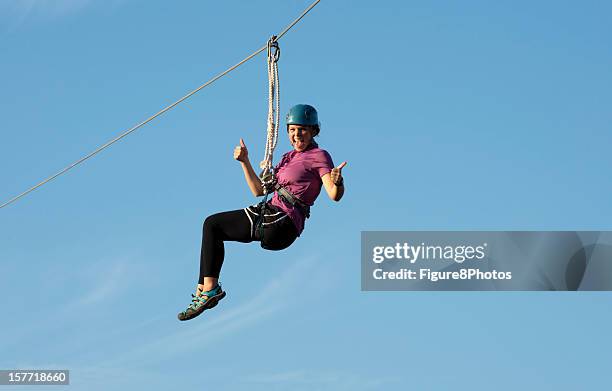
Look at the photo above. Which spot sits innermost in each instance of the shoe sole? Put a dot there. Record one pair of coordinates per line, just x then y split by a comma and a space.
213, 301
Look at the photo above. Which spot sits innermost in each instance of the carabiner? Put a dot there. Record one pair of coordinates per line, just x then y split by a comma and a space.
273, 44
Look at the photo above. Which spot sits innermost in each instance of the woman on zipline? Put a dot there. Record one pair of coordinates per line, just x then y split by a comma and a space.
300, 175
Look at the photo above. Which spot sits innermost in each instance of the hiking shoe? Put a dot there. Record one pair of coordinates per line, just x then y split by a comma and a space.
199, 304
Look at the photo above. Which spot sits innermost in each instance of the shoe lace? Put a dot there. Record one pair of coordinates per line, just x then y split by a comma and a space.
198, 300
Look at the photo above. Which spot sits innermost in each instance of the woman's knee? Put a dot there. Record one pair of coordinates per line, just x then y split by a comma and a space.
210, 223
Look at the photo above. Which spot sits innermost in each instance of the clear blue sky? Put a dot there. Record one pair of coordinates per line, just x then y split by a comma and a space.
451, 115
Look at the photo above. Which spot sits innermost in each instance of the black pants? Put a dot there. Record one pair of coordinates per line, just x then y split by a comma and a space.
239, 226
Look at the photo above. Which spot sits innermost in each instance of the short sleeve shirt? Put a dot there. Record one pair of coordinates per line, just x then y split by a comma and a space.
300, 173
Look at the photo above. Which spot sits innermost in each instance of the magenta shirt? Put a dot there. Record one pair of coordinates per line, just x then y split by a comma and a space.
300, 173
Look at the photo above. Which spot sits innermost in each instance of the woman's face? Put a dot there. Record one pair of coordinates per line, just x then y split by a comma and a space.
300, 136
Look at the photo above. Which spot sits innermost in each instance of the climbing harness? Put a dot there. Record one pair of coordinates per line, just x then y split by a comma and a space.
290, 198
275, 232
167, 108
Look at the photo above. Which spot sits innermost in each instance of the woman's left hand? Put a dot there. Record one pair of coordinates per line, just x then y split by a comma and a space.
336, 174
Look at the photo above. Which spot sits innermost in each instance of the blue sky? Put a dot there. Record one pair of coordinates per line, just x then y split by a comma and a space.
451, 115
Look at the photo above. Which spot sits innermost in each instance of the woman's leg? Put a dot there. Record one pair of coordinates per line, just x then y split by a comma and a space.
225, 226
234, 226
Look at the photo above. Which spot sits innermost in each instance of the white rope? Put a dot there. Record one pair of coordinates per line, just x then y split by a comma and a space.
273, 105
164, 110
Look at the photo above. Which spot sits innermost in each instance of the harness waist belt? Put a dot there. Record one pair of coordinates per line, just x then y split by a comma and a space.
292, 199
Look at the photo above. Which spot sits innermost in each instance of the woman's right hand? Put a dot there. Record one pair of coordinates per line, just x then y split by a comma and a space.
241, 153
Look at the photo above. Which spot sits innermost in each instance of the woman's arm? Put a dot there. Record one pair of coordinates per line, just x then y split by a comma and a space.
334, 183
242, 155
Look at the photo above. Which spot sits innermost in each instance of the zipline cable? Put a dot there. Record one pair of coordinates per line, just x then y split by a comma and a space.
162, 111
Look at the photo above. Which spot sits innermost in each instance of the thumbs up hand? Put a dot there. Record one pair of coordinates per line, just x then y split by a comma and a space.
336, 175
241, 153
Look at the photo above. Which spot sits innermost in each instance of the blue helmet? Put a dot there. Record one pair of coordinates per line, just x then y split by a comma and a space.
303, 115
